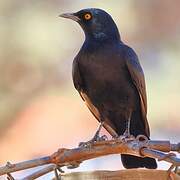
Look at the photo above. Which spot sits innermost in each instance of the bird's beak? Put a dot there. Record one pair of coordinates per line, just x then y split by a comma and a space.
70, 16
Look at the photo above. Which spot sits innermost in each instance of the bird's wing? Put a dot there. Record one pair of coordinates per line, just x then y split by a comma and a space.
137, 77
80, 86
77, 78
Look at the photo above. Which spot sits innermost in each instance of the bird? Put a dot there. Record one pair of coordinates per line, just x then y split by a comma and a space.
109, 78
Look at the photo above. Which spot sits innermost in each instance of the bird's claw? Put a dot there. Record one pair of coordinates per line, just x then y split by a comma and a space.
103, 138
100, 138
85, 144
125, 138
88, 144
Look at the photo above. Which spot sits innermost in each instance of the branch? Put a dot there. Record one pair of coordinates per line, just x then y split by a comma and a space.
9, 168
41, 172
139, 146
135, 147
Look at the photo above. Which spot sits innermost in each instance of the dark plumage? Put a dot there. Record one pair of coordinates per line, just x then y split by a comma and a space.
109, 78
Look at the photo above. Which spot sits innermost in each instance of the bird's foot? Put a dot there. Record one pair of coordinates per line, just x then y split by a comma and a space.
96, 138
85, 144
126, 137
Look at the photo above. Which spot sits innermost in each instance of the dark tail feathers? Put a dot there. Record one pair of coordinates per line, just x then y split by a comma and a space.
137, 127
129, 162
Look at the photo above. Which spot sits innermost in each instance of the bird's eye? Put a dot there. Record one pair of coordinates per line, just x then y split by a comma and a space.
87, 16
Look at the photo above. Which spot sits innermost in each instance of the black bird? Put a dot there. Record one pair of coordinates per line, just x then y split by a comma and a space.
109, 78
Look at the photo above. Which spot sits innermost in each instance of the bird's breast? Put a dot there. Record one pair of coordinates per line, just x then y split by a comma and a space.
107, 80
103, 66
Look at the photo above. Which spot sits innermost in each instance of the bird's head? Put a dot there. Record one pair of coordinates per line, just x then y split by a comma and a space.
96, 23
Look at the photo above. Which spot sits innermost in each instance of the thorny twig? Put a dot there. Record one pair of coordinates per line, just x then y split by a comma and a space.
139, 146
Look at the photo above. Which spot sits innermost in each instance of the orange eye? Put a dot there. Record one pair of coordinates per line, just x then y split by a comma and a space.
87, 16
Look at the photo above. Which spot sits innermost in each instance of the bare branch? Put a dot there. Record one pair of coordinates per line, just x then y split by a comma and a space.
41, 172
8, 168
65, 157
139, 146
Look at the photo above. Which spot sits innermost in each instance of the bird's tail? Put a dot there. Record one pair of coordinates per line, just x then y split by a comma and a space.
129, 161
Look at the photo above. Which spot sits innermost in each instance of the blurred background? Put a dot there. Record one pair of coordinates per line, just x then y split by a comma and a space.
40, 111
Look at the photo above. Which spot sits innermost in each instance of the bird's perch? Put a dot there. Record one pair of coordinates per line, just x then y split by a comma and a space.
73, 157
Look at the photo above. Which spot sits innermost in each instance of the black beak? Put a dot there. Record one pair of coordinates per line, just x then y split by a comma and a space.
70, 16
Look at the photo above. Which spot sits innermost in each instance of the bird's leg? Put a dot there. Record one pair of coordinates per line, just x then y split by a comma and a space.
127, 130
96, 137
126, 135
